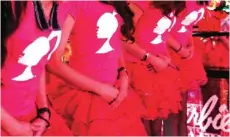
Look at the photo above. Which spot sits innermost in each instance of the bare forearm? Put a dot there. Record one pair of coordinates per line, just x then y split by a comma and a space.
173, 43
139, 53
41, 99
7, 121
73, 77
134, 50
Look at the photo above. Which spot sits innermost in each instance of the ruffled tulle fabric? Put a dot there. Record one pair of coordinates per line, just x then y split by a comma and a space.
192, 72
88, 114
159, 92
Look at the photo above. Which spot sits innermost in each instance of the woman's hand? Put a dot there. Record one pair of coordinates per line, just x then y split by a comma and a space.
108, 92
40, 125
122, 85
159, 63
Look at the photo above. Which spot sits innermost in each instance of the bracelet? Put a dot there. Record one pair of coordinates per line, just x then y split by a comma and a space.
145, 56
40, 111
39, 115
178, 49
119, 71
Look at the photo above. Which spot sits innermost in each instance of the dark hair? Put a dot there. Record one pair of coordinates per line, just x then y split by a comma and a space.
179, 6
122, 8
202, 2
167, 7
10, 22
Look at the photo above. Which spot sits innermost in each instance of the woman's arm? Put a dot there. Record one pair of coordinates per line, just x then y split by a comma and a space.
41, 100
14, 127
158, 63
8, 122
122, 83
62, 70
181, 50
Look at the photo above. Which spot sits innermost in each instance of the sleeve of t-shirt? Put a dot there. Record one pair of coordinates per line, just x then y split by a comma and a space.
72, 8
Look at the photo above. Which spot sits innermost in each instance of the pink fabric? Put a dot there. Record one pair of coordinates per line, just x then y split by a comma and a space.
95, 40
151, 32
185, 21
29, 49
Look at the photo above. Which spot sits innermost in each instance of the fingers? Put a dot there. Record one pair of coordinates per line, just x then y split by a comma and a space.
39, 133
35, 127
121, 96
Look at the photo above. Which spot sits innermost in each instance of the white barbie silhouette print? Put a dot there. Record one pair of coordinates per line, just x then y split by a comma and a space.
163, 25
190, 18
107, 25
34, 52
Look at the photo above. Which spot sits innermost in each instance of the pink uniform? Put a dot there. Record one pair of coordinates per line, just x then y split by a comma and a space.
182, 32
98, 44
160, 95
96, 47
152, 32
29, 49
186, 20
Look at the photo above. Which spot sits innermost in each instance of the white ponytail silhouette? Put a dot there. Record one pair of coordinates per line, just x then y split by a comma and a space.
51, 36
162, 25
107, 26
34, 52
190, 18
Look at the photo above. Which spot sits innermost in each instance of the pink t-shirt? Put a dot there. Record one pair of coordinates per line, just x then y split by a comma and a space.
96, 40
29, 49
152, 32
186, 20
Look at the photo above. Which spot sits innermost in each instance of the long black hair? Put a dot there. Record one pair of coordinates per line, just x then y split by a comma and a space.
122, 8
202, 2
11, 20
167, 7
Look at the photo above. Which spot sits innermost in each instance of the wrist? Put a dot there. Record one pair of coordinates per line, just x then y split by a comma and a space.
44, 112
151, 59
122, 72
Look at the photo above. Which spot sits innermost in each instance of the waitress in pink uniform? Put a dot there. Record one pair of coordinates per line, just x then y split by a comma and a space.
97, 101
182, 32
151, 73
28, 41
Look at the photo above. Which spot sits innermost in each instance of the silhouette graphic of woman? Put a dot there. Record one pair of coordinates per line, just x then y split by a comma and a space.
106, 30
